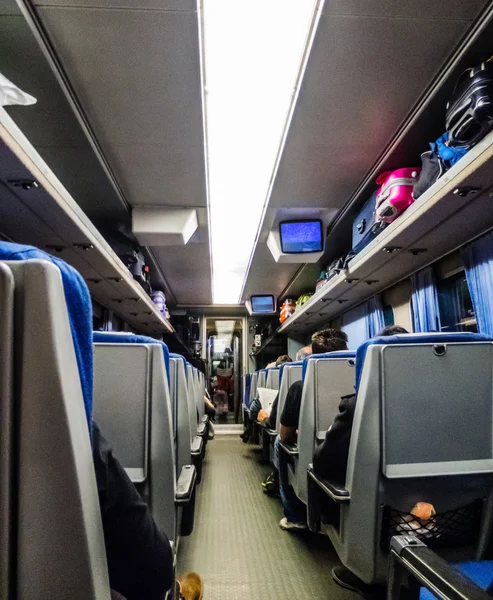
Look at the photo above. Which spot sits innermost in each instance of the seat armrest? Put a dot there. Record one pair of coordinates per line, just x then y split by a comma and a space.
185, 484
201, 429
335, 490
411, 557
291, 449
197, 445
271, 432
205, 419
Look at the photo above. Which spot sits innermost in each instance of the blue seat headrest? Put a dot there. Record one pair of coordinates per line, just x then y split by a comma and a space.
414, 338
79, 308
338, 354
110, 337
289, 364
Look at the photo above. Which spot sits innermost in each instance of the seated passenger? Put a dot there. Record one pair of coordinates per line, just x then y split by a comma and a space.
210, 411
271, 483
326, 340
331, 458
256, 412
139, 555
263, 415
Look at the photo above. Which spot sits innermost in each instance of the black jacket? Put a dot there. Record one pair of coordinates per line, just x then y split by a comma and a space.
331, 457
140, 560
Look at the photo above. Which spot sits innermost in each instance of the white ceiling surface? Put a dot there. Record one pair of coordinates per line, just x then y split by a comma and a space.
369, 64
135, 68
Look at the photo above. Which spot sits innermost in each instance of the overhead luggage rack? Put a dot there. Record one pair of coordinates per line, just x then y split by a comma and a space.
451, 213
36, 209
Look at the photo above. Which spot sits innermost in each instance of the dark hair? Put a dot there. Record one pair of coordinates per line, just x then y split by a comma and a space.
284, 358
328, 340
391, 330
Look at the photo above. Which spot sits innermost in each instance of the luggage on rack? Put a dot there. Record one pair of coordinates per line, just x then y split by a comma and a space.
435, 162
287, 309
396, 193
334, 268
366, 227
469, 115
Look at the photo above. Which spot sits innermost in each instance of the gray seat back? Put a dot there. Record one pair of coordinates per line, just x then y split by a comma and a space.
422, 431
133, 409
291, 373
60, 549
179, 400
6, 428
272, 379
253, 387
199, 393
326, 381
262, 378
191, 399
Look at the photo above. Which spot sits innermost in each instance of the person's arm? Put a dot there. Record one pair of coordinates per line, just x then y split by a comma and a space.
287, 434
139, 555
255, 408
291, 414
208, 402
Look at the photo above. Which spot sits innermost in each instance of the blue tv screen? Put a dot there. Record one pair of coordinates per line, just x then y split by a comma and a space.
263, 304
298, 237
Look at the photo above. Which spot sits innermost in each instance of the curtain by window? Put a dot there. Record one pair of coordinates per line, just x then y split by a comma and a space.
375, 321
354, 325
478, 262
426, 316
363, 322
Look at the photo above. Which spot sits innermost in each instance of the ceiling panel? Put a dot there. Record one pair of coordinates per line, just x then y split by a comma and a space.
360, 84
267, 276
143, 100
161, 5
364, 75
438, 9
188, 269
9, 7
51, 126
53, 129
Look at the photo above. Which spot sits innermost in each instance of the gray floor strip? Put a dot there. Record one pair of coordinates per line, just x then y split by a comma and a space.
237, 545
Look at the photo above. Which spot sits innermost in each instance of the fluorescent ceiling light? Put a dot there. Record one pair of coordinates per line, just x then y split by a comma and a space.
252, 52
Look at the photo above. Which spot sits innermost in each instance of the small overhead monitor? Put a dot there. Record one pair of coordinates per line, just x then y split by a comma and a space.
301, 236
263, 304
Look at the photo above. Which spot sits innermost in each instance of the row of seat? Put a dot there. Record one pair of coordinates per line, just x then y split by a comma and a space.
422, 431
54, 379
148, 402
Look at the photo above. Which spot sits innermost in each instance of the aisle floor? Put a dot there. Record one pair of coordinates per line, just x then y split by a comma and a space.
237, 545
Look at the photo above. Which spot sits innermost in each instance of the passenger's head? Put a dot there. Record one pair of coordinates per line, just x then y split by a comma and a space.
303, 353
391, 330
284, 358
328, 340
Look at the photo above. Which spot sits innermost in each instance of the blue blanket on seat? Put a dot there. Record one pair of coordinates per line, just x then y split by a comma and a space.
481, 572
79, 309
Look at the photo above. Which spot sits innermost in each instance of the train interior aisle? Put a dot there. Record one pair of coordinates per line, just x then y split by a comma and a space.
237, 545
248, 245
